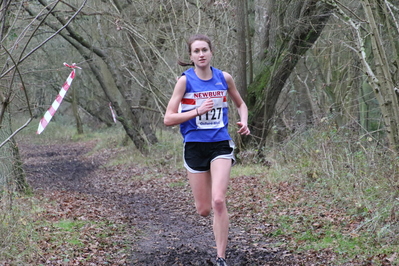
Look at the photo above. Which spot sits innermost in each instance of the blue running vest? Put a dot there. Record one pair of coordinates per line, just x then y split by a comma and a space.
212, 126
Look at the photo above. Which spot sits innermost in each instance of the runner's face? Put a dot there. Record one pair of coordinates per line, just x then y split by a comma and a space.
201, 55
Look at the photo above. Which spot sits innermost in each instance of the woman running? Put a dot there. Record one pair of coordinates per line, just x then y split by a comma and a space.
201, 93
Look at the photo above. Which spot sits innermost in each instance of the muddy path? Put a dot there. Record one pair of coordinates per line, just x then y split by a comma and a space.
155, 203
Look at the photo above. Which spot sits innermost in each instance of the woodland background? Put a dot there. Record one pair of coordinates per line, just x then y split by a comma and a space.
320, 78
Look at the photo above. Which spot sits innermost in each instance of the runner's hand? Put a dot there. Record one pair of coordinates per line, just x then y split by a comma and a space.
206, 106
244, 130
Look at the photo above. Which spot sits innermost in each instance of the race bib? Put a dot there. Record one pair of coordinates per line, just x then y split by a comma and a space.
213, 118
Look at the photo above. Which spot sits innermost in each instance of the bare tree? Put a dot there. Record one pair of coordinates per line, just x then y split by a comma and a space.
297, 27
105, 69
12, 83
380, 76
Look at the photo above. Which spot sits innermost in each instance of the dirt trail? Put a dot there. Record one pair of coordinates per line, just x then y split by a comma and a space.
165, 228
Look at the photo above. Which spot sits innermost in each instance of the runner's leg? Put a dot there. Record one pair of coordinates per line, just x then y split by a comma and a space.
220, 171
201, 187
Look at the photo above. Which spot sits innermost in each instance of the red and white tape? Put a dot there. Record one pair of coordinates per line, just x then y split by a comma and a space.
112, 112
57, 102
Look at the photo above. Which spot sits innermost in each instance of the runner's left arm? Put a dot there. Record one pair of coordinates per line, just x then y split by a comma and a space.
240, 104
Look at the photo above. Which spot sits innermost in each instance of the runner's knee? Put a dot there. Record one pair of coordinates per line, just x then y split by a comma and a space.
219, 205
203, 210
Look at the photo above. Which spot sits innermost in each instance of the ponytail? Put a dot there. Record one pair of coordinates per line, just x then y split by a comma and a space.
184, 64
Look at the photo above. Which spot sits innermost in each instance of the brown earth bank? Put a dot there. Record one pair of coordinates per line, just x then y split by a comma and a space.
154, 207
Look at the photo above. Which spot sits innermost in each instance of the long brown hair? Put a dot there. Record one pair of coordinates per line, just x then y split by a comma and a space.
193, 38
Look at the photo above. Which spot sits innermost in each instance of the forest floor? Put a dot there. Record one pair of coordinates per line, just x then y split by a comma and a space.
128, 214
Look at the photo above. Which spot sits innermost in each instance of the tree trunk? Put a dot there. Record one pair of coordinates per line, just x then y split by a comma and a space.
241, 76
263, 12
122, 108
12, 176
75, 109
280, 62
383, 85
144, 98
18, 173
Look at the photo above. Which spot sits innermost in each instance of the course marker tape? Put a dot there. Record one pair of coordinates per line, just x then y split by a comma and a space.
57, 102
112, 112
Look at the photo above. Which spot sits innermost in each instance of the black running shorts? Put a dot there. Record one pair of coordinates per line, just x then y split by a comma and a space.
199, 155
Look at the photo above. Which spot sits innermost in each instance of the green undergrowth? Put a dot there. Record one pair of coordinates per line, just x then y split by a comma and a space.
17, 230
335, 171
33, 234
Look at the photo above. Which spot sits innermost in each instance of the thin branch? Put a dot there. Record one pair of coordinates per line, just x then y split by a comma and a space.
27, 100
30, 38
48, 39
389, 6
16, 132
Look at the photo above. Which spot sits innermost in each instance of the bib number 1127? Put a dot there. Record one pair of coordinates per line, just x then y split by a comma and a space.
214, 114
